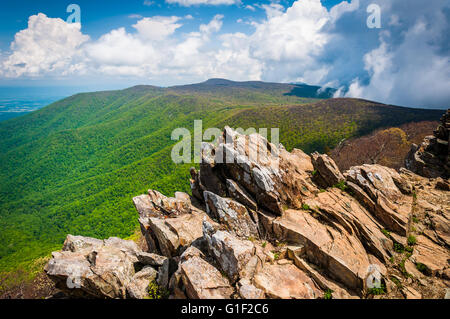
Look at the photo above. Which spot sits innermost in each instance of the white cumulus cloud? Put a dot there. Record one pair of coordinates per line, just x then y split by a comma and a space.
47, 45
406, 62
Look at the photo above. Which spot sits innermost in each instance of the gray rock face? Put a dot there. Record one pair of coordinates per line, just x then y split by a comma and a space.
231, 253
113, 268
233, 215
203, 281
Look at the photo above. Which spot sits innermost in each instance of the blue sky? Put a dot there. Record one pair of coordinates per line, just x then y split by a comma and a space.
99, 17
167, 42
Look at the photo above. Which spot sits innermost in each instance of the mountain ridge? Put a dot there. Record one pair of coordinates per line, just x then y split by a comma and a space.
74, 165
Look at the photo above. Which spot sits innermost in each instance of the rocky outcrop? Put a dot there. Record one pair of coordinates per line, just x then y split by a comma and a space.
112, 268
432, 157
278, 225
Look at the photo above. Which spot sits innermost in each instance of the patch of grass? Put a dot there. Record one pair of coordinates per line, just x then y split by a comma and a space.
392, 260
412, 240
423, 269
386, 233
409, 249
264, 244
306, 207
328, 294
314, 173
396, 282
157, 292
377, 291
251, 238
341, 185
414, 194
399, 248
322, 190
276, 255
415, 220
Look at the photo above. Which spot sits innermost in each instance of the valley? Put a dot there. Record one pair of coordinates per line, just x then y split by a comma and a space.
74, 166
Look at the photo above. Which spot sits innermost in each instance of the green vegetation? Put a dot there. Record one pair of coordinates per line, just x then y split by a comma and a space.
156, 292
396, 282
377, 291
386, 233
423, 269
399, 248
74, 166
306, 207
328, 294
412, 240
341, 185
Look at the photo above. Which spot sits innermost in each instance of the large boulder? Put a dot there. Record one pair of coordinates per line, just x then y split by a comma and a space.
286, 282
234, 216
327, 245
231, 253
378, 190
113, 268
203, 281
272, 176
327, 173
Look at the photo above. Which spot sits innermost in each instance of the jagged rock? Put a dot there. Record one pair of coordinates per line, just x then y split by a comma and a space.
240, 195
434, 257
102, 269
432, 157
378, 191
265, 227
273, 178
233, 215
202, 281
411, 293
248, 291
172, 235
329, 247
231, 253
137, 288
327, 172
286, 282
325, 283
342, 210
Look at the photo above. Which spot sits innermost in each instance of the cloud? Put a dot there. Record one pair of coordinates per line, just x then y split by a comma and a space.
157, 28
148, 3
213, 26
188, 3
405, 63
46, 46
409, 64
411, 73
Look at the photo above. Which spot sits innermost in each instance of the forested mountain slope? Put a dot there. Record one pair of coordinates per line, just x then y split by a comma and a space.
73, 166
